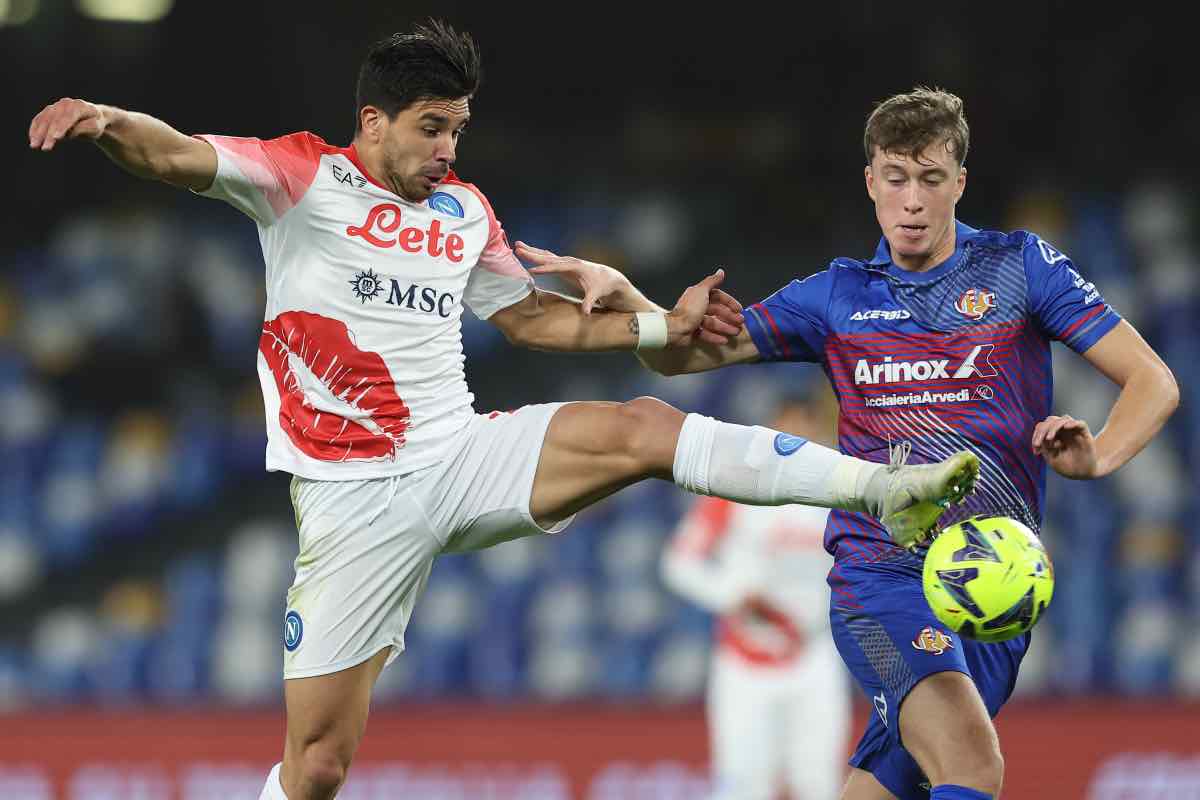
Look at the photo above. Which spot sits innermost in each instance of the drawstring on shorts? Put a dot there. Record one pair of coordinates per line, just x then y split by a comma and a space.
393, 487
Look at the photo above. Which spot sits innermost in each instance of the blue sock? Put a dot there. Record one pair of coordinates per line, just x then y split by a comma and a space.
950, 792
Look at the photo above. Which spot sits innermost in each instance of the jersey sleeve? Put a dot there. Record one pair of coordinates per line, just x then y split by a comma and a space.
691, 565
1067, 306
791, 325
263, 179
498, 280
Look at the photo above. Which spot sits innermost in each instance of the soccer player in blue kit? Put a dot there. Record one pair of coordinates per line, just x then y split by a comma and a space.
939, 342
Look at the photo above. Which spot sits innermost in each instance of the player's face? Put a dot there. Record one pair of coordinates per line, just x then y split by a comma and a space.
419, 145
914, 203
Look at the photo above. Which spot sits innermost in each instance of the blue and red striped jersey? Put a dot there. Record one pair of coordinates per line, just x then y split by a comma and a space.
953, 358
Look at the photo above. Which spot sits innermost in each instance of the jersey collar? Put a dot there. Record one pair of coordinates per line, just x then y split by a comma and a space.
963, 233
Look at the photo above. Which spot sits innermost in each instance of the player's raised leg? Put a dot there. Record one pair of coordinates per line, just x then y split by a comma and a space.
945, 726
593, 449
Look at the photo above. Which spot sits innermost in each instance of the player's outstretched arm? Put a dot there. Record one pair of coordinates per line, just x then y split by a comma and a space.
720, 340
1149, 395
603, 287
138, 143
547, 321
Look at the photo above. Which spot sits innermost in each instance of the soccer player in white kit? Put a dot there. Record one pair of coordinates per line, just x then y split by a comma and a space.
778, 702
371, 252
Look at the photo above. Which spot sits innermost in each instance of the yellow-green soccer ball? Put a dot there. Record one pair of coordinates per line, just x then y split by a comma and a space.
988, 578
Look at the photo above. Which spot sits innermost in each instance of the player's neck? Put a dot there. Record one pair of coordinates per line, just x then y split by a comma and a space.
372, 161
924, 263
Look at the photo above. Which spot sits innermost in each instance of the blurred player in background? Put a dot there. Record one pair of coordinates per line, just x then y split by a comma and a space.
371, 252
778, 704
940, 341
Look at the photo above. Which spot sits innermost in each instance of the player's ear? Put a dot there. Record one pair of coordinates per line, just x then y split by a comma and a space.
870, 181
372, 121
962, 183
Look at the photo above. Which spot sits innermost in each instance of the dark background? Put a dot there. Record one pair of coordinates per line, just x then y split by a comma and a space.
144, 552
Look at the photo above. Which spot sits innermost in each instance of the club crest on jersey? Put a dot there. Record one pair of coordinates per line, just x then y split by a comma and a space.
931, 640
974, 303
367, 286
447, 204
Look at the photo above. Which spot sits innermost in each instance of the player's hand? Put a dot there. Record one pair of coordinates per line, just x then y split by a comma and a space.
66, 119
1067, 445
602, 286
685, 321
724, 316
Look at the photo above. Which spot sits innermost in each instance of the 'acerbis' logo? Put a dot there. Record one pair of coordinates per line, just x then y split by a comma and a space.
367, 286
293, 630
879, 313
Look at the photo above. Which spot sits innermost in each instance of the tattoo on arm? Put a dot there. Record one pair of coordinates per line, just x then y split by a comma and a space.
633, 325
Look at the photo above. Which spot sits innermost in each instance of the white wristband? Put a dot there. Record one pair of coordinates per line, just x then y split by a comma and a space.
652, 330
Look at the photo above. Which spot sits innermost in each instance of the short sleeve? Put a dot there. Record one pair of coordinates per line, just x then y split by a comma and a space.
1068, 307
264, 179
791, 324
497, 280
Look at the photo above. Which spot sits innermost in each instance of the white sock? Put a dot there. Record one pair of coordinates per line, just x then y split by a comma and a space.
762, 467
274, 788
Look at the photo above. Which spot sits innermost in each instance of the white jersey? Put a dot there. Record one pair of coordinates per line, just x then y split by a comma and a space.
724, 553
361, 359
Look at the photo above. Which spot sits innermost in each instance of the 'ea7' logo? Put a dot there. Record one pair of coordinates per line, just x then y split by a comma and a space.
976, 364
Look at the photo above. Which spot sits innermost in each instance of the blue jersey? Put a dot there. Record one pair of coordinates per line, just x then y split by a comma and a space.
957, 357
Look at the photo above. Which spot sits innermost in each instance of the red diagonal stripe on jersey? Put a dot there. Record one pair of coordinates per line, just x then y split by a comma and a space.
307, 352
774, 329
1067, 333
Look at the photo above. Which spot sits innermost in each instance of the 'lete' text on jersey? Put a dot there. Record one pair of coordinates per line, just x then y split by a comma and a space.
957, 357
360, 358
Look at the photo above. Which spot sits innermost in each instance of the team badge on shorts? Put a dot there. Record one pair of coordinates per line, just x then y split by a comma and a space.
931, 640
786, 444
974, 303
293, 630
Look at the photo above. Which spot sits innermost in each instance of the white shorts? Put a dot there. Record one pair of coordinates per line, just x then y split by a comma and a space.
367, 546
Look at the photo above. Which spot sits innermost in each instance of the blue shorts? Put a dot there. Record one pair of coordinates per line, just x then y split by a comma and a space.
890, 640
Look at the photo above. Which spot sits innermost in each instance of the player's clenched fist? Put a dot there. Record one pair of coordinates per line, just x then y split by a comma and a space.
67, 119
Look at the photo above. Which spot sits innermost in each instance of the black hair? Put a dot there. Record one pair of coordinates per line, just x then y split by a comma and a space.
434, 61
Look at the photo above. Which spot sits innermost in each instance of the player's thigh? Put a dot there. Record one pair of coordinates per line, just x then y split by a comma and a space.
593, 449
861, 785
745, 714
329, 711
945, 726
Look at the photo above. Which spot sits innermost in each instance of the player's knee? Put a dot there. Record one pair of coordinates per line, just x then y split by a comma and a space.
322, 769
979, 767
644, 427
